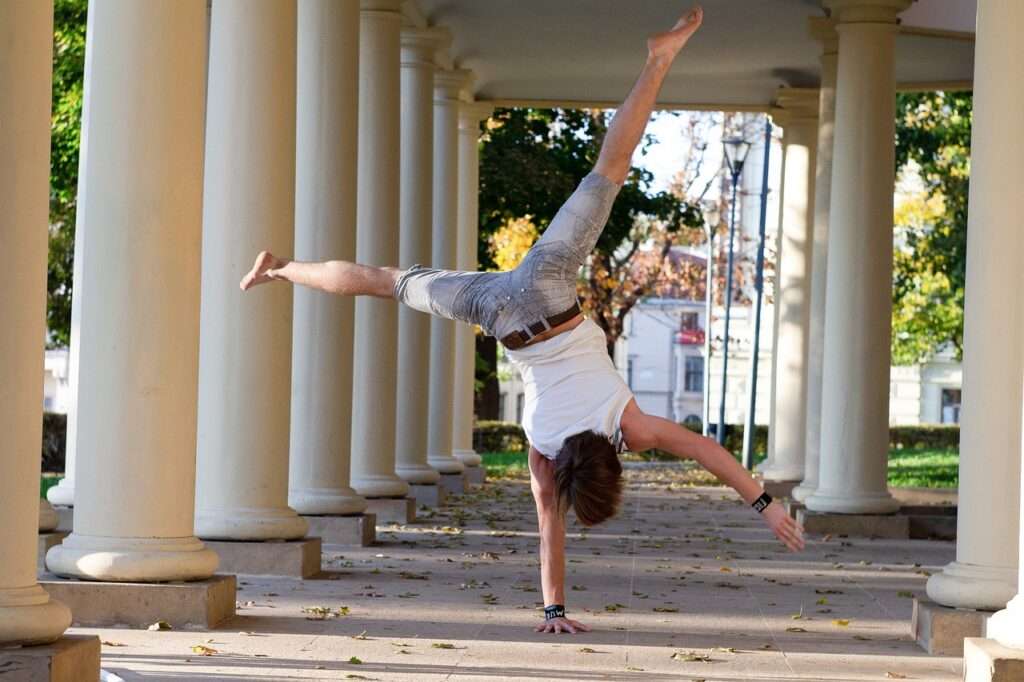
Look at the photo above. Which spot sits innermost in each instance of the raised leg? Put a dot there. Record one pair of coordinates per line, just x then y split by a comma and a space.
334, 277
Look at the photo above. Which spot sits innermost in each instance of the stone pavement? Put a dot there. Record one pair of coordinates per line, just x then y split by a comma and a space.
686, 584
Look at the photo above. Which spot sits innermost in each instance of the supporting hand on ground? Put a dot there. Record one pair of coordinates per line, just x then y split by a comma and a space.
668, 44
262, 270
557, 625
785, 528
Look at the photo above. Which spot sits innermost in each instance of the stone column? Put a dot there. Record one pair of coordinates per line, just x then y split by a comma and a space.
374, 373
797, 112
470, 116
417, 123
855, 393
824, 30
142, 162
27, 614
245, 350
325, 215
447, 85
984, 575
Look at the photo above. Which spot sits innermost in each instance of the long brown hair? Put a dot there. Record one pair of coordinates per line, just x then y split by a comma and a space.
588, 477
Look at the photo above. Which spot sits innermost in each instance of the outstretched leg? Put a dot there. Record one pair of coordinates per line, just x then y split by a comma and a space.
631, 118
334, 277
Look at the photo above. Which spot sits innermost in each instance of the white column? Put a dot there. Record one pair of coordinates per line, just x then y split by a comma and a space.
417, 123
470, 116
798, 114
27, 614
246, 343
142, 160
447, 85
984, 574
374, 372
325, 216
824, 30
855, 393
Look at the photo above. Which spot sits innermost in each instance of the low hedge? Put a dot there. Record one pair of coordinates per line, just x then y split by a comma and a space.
55, 429
499, 436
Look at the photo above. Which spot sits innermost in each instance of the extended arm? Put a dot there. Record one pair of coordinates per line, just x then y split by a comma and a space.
643, 432
551, 526
334, 277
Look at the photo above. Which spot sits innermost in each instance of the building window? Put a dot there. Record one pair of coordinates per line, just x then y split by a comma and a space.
520, 399
693, 381
689, 321
951, 406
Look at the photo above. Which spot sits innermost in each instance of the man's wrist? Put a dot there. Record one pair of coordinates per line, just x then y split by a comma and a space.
554, 611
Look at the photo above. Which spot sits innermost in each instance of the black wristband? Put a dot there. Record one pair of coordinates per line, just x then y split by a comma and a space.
761, 502
554, 611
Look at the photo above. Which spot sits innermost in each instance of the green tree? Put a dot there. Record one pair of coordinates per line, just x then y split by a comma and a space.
69, 21
933, 129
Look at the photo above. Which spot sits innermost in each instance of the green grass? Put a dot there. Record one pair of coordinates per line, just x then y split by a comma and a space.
48, 481
925, 468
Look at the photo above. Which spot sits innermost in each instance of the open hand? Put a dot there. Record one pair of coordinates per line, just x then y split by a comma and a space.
785, 528
563, 624
261, 270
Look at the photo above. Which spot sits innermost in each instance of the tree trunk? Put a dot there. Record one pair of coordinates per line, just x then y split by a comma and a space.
486, 398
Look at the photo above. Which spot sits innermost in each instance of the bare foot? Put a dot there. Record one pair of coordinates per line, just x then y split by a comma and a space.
668, 44
261, 270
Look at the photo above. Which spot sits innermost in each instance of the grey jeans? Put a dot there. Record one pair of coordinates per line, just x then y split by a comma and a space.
544, 283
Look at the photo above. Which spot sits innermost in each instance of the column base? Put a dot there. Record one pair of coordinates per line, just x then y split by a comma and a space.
475, 475
380, 485
432, 495
325, 501
66, 518
202, 603
48, 519
973, 586
986, 660
1007, 627
46, 541
446, 465
359, 530
840, 502
29, 616
940, 630
470, 458
250, 524
283, 558
417, 474
858, 525
72, 658
453, 484
92, 557
401, 510
804, 490
62, 494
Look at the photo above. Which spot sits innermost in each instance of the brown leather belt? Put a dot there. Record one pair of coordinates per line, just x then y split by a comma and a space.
517, 340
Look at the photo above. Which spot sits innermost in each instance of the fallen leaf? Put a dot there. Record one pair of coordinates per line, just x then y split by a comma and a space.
109, 643
665, 609
690, 656
442, 645
159, 625
355, 660
795, 629
203, 650
895, 676
841, 622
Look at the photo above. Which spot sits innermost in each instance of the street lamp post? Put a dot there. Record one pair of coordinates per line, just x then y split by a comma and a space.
735, 154
712, 217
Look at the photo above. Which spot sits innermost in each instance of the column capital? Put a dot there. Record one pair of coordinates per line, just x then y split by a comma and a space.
866, 11
420, 45
472, 112
823, 29
449, 83
795, 106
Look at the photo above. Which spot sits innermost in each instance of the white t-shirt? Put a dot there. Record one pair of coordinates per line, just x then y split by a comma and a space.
571, 386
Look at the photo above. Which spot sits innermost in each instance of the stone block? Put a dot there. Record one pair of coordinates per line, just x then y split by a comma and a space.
46, 541
779, 489
453, 484
66, 518
358, 530
932, 526
72, 658
200, 603
432, 495
400, 510
940, 630
986, 660
895, 526
926, 496
475, 475
284, 558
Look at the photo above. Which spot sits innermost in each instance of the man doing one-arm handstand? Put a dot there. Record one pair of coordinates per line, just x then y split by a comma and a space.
579, 414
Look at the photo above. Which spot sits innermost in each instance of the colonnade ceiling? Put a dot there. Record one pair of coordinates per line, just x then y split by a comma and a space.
589, 51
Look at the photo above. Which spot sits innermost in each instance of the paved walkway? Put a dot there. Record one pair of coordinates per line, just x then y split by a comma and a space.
686, 584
